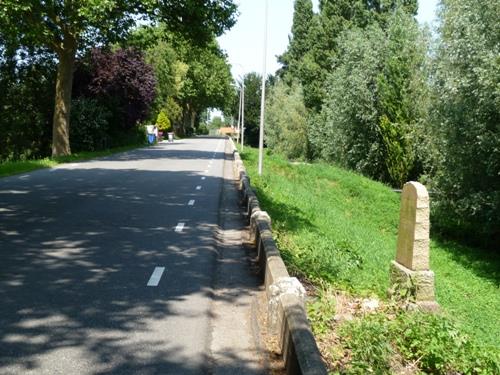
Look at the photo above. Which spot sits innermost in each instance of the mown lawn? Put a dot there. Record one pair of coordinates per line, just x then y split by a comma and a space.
16, 167
337, 228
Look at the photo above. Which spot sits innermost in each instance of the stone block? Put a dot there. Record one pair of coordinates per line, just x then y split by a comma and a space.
417, 287
280, 287
255, 217
413, 235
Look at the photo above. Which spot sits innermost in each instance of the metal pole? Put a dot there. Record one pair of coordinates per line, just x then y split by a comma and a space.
239, 115
263, 94
243, 113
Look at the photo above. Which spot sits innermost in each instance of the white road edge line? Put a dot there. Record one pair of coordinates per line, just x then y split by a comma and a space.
191, 202
198, 187
154, 280
179, 227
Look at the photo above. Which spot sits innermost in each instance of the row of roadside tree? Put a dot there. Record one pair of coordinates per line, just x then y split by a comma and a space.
78, 76
364, 86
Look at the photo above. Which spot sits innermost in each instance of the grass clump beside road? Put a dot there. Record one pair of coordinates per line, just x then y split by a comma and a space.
9, 168
337, 230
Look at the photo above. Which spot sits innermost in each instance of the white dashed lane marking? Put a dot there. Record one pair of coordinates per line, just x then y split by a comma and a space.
154, 280
179, 227
198, 187
191, 202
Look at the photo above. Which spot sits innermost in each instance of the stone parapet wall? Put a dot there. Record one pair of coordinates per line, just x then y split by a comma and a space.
287, 317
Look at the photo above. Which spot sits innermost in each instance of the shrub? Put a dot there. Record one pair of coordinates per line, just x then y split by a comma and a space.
286, 130
202, 129
120, 80
467, 109
432, 343
377, 102
163, 122
27, 83
89, 125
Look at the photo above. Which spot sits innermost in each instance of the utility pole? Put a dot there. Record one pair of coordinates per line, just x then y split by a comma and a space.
263, 94
239, 117
242, 113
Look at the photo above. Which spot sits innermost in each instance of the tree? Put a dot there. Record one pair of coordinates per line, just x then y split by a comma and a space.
163, 122
286, 125
68, 27
26, 101
252, 83
299, 41
467, 120
122, 81
377, 102
207, 84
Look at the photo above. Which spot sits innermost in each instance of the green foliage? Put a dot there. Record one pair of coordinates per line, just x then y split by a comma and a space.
336, 227
431, 343
216, 122
439, 346
163, 122
369, 343
202, 130
26, 102
377, 102
299, 40
467, 121
286, 127
89, 125
252, 82
67, 28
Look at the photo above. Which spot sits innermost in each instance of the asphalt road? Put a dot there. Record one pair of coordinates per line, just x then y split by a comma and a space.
79, 245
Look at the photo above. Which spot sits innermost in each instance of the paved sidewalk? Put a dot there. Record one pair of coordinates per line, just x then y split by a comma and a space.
236, 346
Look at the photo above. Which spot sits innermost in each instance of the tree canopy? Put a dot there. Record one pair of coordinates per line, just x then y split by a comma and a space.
68, 27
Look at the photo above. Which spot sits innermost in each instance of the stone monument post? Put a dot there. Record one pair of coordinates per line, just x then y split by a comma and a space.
410, 273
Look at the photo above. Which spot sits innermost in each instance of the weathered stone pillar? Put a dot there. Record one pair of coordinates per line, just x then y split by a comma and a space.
411, 278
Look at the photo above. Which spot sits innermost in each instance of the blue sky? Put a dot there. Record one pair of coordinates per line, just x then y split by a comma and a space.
244, 42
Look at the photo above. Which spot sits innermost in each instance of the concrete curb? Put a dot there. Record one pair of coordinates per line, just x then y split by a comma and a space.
285, 295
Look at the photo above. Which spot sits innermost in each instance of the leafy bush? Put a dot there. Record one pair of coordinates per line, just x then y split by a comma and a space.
163, 122
367, 340
120, 80
89, 128
286, 130
467, 109
27, 83
377, 102
438, 346
202, 129
432, 343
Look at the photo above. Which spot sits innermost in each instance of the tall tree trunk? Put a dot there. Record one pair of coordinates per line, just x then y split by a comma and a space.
193, 120
64, 86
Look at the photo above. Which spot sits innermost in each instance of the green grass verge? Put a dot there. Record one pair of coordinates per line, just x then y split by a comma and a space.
16, 167
338, 228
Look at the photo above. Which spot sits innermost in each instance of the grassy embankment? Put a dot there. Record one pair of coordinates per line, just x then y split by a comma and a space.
16, 167
337, 230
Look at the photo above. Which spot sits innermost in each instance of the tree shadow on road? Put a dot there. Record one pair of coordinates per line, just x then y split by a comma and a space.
76, 253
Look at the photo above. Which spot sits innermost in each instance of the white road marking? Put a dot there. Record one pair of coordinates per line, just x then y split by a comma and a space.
203, 177
23, 176
179, 227
198, 187
154, 280
191, 202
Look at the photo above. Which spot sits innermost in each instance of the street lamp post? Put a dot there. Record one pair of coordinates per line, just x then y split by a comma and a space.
242, 139
239, 115
263, 94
